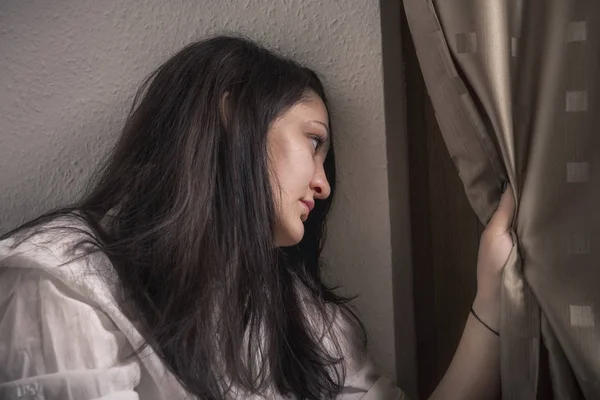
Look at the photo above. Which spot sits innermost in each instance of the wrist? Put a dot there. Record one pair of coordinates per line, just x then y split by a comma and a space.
488, 310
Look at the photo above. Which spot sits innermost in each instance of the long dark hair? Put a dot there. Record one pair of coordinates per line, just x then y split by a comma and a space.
183, 209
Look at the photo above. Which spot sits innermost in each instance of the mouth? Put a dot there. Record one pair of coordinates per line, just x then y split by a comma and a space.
309, 206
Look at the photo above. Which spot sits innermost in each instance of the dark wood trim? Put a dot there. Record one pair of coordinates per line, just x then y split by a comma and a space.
444, 232
422, 259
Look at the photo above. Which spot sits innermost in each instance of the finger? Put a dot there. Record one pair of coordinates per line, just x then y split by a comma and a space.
501, 221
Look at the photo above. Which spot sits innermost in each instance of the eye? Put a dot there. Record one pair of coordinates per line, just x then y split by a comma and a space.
317, 141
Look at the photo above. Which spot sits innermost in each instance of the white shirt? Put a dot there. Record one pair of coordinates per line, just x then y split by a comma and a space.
64, 337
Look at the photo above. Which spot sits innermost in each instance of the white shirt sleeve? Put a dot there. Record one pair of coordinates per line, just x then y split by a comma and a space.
56, 345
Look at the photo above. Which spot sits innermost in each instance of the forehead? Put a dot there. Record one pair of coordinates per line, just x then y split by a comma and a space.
311, 108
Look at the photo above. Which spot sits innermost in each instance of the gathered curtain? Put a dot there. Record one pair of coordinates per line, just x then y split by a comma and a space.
514, 85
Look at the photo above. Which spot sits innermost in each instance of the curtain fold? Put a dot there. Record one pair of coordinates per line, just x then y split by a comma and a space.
514, 85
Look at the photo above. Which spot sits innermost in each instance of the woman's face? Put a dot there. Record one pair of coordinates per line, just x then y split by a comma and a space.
298, 142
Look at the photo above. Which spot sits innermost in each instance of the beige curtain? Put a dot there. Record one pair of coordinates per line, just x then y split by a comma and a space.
514, 84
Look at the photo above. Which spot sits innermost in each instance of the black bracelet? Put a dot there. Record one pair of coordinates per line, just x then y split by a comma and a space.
483, 323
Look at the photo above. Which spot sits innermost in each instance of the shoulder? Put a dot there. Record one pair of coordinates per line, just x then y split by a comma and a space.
49, 242
61, 310
46, 256
57, 311
50, 250
42, 268
40, 313
57, 340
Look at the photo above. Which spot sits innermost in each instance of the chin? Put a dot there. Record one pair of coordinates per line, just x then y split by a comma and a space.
290, 236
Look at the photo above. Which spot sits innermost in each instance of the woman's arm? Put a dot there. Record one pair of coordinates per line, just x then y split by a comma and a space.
475, 369
474, 372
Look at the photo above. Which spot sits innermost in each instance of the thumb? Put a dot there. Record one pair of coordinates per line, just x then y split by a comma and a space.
502, 219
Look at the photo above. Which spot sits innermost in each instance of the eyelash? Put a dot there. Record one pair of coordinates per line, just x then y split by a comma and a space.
320, 140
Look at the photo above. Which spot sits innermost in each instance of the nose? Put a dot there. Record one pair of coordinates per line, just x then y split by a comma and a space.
320, 185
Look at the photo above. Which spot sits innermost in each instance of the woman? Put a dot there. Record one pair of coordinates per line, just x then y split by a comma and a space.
191, 269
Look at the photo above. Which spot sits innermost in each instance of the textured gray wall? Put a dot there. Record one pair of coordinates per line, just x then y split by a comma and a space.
69, 68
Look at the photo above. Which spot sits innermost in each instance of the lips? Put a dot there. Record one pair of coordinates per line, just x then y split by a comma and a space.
309, 204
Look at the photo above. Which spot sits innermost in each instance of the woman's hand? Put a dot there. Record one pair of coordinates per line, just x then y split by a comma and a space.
494, 248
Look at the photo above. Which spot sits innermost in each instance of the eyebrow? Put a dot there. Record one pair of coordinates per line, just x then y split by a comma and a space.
320, 123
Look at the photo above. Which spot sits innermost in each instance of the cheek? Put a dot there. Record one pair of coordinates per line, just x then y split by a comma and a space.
292, 183
302, 167
295, 171
292, 169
